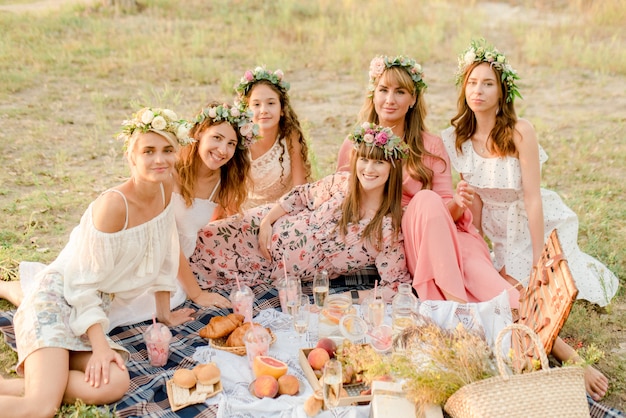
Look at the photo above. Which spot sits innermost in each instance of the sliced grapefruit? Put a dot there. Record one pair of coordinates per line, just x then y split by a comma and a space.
268, 366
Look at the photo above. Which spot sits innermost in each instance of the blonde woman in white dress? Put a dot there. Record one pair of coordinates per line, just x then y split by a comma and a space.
126, 242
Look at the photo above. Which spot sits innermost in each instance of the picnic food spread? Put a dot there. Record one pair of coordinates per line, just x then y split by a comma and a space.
191, 386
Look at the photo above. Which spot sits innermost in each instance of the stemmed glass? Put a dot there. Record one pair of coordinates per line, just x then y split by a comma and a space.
320, 288
332, 384
293, 295
301, 318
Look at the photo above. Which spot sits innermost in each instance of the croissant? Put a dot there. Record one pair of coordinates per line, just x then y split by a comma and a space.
221, 326
236, 337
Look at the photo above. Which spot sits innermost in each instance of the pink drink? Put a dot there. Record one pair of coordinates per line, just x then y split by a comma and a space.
257, 341
157, 338
242, 300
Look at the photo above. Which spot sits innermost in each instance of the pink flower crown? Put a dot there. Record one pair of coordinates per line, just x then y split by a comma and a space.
237, 115
259, 73
379, 64
374, 135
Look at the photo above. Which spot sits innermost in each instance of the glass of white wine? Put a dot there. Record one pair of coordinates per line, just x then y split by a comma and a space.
301, 318
320, 288
332, 384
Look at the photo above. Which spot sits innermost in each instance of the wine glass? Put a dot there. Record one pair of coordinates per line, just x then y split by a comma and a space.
292, 297
320, 288
301, 318
332, 384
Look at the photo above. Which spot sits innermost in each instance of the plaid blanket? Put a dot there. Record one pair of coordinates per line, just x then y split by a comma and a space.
147, 396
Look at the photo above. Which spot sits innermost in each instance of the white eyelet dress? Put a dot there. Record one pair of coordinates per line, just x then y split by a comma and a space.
498, 182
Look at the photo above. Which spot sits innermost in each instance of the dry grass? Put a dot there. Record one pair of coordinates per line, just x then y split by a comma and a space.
68, 77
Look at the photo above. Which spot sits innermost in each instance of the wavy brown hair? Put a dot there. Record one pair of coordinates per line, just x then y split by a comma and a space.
390, 206
234, 175
288, 125
414, 125
465, 120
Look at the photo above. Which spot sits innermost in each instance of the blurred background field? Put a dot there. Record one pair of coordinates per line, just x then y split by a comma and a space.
70, 74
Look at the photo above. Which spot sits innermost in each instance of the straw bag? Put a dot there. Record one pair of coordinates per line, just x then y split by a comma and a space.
558, 392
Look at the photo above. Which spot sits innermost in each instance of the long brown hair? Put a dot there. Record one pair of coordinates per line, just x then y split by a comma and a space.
234, 175
390, 206
288, 125
465, 120
414, 125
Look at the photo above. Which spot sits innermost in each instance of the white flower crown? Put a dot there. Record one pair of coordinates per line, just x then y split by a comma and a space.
259, 73
379, 64
238, 115
480, 51
156, 119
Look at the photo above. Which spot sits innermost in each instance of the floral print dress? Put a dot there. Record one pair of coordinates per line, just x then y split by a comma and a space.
304, 241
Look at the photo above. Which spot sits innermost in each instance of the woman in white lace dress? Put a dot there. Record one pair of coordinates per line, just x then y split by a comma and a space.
280, 158
126, 242
500, 157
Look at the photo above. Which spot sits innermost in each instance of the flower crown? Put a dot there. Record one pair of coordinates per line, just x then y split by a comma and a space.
374, 135
156, 119
259, 73
479, 51
237, 115
380, 63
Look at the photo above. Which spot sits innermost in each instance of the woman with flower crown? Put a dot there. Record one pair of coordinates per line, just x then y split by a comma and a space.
126, 242
212, 177
446, 257
499, 156
280, 158
340, 223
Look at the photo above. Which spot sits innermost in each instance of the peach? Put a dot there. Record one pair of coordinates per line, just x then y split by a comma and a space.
329, 345
288, 385
317, 358
266, 386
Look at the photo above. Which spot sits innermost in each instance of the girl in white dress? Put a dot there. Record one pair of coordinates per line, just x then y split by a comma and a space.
280, 159
499, 156
126, 242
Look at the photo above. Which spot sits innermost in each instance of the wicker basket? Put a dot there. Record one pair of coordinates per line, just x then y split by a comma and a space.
548, 392
220, 344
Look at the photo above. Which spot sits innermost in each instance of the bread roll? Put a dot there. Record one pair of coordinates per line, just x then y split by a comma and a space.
221, 326
208, 374
184, 378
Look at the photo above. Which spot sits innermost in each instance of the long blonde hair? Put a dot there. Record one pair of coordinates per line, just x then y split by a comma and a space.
390, 206
414, 125
465, 120
234, 175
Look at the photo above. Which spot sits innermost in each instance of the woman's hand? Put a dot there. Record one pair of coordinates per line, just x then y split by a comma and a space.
265, 238
98, 366
464, 196
206, 298
180, 316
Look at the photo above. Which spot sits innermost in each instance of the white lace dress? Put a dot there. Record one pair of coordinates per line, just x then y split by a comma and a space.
272, 177
75, 290
498, 182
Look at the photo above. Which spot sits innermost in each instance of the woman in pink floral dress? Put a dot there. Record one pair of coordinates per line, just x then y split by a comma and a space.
340, 223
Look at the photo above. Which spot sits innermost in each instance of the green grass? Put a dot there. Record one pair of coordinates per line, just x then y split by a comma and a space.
68, 78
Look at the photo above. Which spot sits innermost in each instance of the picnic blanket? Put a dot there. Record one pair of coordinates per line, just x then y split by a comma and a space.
147, 396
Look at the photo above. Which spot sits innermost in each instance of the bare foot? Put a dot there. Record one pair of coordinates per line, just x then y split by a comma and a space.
596, 383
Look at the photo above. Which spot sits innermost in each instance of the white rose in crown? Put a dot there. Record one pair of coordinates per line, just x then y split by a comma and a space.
171, 115
469, 57
246, 130
159, 123
147, 116
182, 132
234, 112
212, 113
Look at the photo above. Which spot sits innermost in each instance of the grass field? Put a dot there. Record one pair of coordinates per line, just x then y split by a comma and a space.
68, 77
